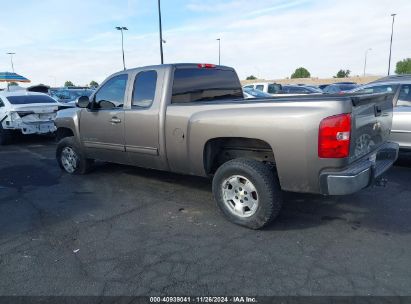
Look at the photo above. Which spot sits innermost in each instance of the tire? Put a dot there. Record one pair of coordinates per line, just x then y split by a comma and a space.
4, 136
71, 158
258, 199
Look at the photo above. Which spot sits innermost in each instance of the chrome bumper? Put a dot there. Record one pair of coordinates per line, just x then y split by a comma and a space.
359, 174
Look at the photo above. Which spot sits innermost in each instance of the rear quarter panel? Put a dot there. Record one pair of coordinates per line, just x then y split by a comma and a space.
289, 127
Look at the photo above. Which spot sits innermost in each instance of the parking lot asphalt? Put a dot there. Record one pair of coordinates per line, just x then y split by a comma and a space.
128, 231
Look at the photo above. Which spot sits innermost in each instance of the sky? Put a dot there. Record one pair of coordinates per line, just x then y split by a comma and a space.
76, 40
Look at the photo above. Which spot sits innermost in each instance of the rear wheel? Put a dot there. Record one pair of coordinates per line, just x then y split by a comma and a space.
70, 157
247, 192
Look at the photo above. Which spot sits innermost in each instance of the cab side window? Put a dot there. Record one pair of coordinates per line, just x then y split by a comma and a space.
144, 89
64, 95
404, 99
259, 87
111, 94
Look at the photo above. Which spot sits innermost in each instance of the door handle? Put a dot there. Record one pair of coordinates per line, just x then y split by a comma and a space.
115, 120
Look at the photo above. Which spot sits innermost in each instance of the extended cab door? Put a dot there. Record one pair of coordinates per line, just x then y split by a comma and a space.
143, 119
102, 126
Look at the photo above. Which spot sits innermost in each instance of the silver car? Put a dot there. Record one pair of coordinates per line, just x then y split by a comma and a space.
400, 86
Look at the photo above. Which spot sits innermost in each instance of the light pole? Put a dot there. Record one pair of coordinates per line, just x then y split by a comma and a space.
365, 59
219, 51
122, 28
161, 32
11, 59
392, 33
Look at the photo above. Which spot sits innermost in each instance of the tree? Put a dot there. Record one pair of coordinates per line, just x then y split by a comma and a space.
301, 73
403, 66
13, 83
93, 83
251, 77
343, 74
68, 83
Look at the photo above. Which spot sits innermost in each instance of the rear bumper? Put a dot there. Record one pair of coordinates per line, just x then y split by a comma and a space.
359, 174
31, 128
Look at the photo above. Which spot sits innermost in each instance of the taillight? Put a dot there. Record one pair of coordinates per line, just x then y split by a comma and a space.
334, 136
206, 65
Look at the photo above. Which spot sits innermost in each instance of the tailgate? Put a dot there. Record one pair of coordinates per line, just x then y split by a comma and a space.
371, 123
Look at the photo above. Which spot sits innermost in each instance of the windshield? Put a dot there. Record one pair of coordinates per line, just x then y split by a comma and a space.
69, 95
314, 89
274, 88
30, 99
386, 88
346, 87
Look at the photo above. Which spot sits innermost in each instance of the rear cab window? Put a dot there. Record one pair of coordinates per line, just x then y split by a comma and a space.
205, 84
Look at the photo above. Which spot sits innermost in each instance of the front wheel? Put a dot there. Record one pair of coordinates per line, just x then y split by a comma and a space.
70, 157
247, 192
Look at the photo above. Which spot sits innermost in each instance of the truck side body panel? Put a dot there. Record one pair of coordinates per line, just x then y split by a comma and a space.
278, 123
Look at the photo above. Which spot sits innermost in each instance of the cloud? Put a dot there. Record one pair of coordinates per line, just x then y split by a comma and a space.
279, 6
269, 38
216, 6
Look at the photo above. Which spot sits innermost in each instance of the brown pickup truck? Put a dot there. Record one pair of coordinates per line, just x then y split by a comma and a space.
193, 119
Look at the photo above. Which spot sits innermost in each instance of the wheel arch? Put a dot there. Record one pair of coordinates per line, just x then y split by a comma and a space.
63, 132
219, 150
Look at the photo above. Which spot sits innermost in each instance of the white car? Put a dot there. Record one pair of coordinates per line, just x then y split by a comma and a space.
253, 93
26, 112
266, 87
275, 89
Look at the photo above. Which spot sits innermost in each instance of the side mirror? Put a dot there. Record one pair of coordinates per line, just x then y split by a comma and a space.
82, 102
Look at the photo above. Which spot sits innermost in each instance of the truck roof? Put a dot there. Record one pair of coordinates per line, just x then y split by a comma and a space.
176, 65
